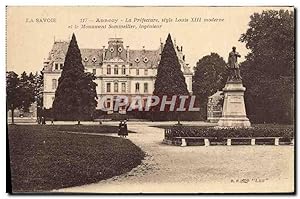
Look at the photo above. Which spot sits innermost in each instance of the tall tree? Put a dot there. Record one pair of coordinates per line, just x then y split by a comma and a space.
169, 80
270, 37
75, 96
27, 85
210, 76
19, 93
13, 97
38, 91
268, 72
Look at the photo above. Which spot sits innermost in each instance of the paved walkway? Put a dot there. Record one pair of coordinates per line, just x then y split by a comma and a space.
199, 169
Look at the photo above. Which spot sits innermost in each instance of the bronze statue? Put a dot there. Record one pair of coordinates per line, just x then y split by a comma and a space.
233, 65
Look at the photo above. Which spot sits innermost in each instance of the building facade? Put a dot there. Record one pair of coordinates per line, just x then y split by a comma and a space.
119, 70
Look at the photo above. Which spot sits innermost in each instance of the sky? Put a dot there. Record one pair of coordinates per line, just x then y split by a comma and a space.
29, 40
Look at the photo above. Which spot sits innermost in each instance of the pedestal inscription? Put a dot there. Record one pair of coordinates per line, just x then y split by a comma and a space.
234, 111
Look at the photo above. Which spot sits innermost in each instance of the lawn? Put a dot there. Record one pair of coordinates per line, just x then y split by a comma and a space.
44, 158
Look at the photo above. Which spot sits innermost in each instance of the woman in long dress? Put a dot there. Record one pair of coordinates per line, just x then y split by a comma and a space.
125, 129
120, 129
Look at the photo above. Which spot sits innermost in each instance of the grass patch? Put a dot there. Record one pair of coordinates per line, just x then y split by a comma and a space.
44, 158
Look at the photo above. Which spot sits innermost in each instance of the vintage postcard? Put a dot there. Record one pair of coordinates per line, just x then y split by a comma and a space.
150, 99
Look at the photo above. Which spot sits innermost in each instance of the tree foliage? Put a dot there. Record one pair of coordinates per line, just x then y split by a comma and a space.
268, 72
75, 96
270, 37
38, 91
19, 91
27, 85
210, 76
170, 80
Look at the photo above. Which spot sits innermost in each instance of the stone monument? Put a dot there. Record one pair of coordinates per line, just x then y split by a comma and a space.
234, 111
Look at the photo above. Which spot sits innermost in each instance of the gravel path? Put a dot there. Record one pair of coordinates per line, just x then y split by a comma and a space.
197, 169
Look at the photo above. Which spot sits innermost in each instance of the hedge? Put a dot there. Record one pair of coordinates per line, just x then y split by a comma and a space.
186, 131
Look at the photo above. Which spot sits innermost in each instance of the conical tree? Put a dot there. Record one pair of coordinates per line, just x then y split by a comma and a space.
170, 80
76, 92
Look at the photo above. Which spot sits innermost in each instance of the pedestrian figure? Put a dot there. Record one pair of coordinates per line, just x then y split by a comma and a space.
52, 121
43, 121
120, 127
123, 132
125, 129
39, 120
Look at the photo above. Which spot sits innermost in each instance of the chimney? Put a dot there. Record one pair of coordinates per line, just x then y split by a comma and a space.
103, 53
127, 53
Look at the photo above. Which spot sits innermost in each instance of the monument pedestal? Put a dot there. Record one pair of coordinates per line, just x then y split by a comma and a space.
234, 111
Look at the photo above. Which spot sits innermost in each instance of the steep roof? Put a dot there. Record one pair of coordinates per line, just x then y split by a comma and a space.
91, 56
58, 51
144, 58
137, 58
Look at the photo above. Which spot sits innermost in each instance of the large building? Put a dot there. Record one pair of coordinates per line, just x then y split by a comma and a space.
119, 70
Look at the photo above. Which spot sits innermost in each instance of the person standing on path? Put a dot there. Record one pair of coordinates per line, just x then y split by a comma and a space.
121, 126
125, 129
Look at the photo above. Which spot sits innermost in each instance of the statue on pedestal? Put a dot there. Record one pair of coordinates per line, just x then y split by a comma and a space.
234, 110
233, 65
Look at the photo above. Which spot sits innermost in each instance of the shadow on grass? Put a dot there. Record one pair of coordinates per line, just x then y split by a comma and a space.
101, 129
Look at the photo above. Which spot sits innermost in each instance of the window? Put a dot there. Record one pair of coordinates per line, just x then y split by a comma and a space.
56, 66
146, 71
123, 87
108, 104
137, 71
116, 89
61, 66
108, 70
123, 70
94, 71
145, 87
108, 87
116, 70
54, 83
137, 87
